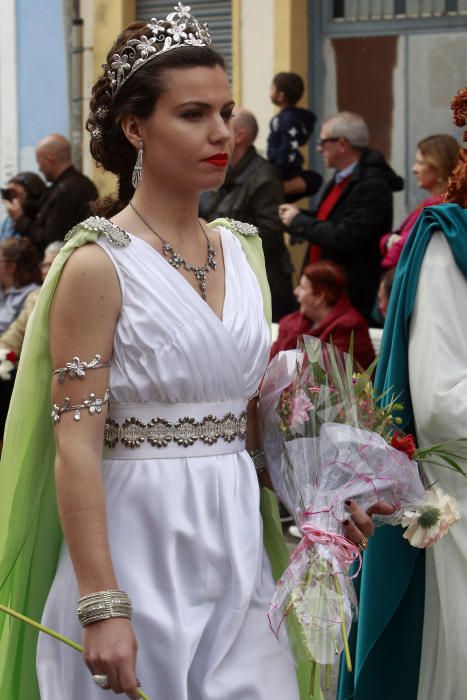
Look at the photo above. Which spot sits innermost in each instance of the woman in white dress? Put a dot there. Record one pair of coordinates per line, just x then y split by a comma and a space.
170, 517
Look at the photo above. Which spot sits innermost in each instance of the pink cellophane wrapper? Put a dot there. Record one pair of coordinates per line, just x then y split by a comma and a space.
314, 476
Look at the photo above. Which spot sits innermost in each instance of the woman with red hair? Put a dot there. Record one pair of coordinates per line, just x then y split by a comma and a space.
326, 313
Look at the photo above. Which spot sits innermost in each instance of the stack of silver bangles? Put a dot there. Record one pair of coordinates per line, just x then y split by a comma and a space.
103, 605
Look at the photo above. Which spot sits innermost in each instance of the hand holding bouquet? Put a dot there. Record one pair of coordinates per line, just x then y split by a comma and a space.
328, 442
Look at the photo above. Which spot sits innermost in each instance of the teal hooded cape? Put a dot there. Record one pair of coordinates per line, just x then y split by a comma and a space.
30, 532
386, 642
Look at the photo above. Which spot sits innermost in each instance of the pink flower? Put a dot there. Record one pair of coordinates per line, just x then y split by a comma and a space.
301, 406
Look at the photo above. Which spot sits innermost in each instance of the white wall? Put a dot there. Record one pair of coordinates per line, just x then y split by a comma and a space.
436, 69
8, 102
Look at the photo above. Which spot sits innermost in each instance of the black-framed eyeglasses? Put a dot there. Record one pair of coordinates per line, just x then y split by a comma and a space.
322, 142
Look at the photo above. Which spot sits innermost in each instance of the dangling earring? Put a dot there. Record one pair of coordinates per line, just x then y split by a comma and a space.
137, 174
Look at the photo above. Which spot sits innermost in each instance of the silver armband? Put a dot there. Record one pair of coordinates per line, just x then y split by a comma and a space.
103, 605
92, 405
77, 369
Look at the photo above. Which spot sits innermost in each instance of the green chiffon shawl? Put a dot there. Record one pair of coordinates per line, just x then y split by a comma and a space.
30, 532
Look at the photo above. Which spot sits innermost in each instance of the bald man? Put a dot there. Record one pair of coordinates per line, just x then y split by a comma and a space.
250, 193
66, 201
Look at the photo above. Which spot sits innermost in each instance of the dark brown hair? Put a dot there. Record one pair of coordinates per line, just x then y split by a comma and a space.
457, 185
329, 278
33, 185
138, 97
291, 84
26, 257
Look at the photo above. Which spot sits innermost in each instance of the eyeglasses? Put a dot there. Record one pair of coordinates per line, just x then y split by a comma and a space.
322, 142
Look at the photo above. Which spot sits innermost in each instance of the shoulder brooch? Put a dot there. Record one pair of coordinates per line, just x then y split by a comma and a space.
243, 228
114, 234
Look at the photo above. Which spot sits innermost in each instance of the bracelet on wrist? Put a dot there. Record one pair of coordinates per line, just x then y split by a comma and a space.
103, 605
259, 460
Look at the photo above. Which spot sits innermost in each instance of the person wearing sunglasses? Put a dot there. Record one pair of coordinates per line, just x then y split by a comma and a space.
355, 209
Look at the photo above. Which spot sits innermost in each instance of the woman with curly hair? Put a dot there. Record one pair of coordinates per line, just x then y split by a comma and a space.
411, 638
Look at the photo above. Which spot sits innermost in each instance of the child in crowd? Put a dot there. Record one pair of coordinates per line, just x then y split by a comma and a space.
290, 129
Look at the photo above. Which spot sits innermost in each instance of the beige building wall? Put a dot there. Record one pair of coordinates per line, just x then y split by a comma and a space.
270, 36
103, 20
256, 62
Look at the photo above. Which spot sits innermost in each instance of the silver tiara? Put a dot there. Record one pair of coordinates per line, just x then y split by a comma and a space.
179, 29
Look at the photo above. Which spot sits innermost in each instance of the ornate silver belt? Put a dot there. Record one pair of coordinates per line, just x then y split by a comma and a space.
137, 431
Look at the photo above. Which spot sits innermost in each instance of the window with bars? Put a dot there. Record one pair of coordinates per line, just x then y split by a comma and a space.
390, 10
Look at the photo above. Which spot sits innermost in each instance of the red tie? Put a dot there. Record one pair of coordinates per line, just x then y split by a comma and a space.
325, 208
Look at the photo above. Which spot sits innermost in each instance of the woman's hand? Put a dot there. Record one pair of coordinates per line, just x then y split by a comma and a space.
110, 649
287, 213
360, 526
14, 208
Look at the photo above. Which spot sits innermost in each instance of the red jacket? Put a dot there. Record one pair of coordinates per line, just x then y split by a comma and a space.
338, 326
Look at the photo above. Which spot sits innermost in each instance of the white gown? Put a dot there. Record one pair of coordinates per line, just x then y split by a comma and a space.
185, 532
438, 385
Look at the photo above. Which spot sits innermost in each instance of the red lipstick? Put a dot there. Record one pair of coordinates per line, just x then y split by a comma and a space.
220, 160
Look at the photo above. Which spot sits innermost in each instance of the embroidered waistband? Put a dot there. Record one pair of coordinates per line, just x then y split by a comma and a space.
153, 430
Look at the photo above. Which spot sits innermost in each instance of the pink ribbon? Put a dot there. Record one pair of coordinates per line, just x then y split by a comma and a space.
345, 551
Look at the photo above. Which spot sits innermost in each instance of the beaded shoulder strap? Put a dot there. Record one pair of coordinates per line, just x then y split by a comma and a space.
240, 228
113, 233
250, 240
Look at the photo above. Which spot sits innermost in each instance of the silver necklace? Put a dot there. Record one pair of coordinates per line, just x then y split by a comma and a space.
176, 260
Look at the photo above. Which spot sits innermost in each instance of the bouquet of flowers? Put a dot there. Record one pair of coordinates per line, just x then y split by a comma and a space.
328, 440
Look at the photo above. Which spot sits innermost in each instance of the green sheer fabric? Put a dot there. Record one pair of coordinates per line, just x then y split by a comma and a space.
30, 532
253, 249
308, 673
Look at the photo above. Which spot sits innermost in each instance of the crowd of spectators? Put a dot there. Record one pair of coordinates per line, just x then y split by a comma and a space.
348, 266
37, 218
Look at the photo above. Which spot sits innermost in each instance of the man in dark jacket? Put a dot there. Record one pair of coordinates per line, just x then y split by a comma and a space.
354, 211
67, 200
252, 192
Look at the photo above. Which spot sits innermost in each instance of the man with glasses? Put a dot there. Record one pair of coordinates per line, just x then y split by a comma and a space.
355, 209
